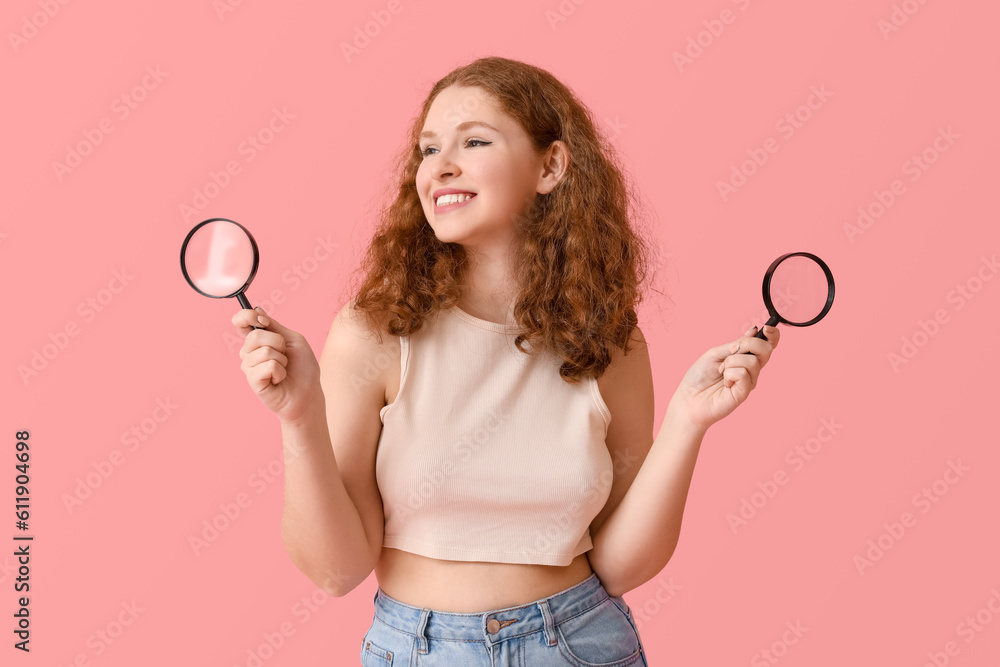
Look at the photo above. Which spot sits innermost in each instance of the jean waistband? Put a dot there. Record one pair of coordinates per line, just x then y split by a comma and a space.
495, 625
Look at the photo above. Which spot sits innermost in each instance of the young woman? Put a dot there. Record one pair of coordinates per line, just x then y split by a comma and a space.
492, 458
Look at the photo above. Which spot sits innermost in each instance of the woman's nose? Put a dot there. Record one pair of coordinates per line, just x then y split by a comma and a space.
445, 164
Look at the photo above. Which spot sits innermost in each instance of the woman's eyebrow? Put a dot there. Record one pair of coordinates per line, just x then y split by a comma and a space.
463, 126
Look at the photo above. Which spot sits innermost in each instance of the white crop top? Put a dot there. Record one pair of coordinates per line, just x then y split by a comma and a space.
486, 454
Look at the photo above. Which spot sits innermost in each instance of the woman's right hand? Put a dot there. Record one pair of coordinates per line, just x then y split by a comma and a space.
280, 366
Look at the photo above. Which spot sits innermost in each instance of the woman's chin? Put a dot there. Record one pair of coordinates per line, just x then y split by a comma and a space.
448, 234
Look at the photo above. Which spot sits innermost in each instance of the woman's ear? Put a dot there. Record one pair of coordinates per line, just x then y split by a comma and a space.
555, 162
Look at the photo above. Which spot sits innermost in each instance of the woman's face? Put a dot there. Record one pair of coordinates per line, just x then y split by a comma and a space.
470, 145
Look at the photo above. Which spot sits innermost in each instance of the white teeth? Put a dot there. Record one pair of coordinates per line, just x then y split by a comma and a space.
444, 200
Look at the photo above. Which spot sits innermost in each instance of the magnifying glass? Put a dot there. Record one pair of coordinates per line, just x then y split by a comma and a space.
798, 290
219, 259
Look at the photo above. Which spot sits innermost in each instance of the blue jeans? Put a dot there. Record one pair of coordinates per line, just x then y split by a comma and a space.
581, 626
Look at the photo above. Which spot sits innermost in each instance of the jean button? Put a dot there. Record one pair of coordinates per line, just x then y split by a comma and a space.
493, 626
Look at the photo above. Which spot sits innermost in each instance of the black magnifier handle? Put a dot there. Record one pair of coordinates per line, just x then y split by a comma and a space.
246, 304
760, 332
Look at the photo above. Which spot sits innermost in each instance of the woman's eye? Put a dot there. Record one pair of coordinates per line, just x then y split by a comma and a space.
425, 152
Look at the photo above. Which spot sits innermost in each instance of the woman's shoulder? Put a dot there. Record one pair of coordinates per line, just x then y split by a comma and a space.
626, 369
353, 334
355, 349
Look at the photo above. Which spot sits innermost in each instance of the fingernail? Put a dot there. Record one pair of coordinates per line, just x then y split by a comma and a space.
734, 347
263, 320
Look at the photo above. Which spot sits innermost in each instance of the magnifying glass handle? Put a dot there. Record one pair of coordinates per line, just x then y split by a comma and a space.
760, 333
246, 304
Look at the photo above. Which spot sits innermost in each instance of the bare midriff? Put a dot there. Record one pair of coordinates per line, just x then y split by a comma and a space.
471, 586
466, 586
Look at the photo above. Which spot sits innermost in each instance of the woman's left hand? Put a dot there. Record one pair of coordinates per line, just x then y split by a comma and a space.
723, 378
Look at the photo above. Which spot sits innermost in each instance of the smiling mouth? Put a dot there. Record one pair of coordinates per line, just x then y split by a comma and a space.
444, 208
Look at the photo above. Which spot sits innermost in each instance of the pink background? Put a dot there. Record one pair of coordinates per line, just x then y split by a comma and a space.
680, 129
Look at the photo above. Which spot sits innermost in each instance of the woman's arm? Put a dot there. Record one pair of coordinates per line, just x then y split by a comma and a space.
640, 534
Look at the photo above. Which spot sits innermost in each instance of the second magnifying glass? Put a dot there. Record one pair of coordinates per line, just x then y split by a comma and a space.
798, 290
219, 259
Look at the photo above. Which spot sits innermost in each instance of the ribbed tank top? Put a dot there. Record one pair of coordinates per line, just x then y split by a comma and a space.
486, 454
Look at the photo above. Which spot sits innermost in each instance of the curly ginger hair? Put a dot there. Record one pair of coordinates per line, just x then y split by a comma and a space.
576, 259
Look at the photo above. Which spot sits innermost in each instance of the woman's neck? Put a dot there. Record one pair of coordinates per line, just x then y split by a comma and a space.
488, 292
485, 308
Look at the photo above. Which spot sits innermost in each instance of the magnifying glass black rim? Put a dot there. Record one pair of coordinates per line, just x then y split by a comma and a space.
253, 271
767, 289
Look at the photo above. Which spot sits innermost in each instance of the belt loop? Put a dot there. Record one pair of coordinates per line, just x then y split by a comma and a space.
422, 646
550, 624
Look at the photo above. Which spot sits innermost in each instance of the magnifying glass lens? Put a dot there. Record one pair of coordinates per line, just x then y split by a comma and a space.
219, 258
799, 289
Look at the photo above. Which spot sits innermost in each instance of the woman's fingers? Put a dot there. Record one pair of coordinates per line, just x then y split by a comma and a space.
773, 335
262, 354
747, 355
246, 320
739, 366
258, 338
744, 357
750, 344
